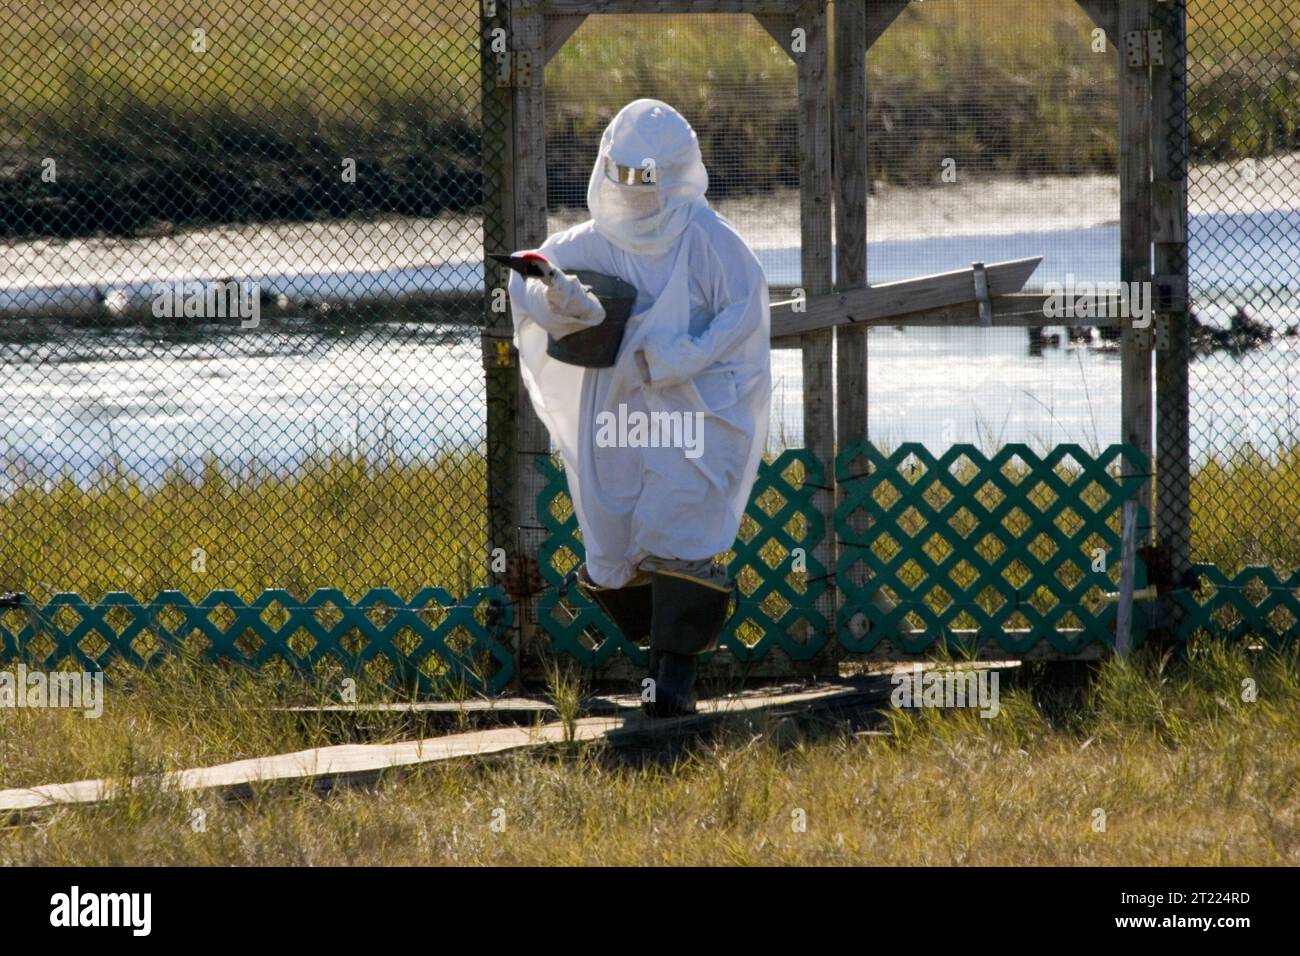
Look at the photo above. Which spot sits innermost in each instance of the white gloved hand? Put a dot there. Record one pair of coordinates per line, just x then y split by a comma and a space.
568, 297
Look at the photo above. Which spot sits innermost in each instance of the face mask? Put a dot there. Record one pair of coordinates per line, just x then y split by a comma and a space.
633, 202
644, 202
631, 192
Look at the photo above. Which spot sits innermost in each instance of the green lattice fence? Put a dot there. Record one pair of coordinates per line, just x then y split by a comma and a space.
779, 585
1257, 603
431, 642
967, 548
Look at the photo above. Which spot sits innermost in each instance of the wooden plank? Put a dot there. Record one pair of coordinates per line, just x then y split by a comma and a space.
851, 179
531, 437
326, 764
816, 273
329, 766
558, 31
1135, 246
477, 705
886, 650
501, 379
1020, 310
1105, 14
720, 668
780, 27
880, 14
873, 303
724, 669
1128, 562
1024, 311
590, 7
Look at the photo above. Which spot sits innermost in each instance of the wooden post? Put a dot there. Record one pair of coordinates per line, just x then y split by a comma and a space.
1128, 558
851, 180
810, 59
815, 261
1135, 241
851, 177
858, 24
500, 364
1169, 161
528, 39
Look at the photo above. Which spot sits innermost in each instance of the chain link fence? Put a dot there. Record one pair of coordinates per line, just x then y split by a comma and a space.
241, 286
241, 301
993, 134
1243, 69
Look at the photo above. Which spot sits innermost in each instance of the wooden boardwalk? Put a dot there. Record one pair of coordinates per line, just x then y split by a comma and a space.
325, 767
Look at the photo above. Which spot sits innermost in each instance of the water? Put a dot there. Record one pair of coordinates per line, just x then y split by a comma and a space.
276, 397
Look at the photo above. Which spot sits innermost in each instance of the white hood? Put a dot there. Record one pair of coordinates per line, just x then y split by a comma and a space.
647, 177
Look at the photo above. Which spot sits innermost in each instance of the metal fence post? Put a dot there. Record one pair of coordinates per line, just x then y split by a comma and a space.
500, 364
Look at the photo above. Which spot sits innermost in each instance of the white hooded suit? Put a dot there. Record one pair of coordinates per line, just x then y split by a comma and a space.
701, 327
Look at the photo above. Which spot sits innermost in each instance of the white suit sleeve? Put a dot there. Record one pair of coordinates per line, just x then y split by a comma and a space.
740, 291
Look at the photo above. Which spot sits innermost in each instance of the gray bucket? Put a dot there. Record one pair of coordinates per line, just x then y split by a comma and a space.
597, 347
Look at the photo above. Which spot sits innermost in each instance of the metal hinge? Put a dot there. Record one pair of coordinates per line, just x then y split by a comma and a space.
1145, 48
498, 352
515, 68
1144, 337
1162, 333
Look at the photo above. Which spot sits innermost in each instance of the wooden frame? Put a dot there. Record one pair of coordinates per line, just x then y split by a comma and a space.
833, 161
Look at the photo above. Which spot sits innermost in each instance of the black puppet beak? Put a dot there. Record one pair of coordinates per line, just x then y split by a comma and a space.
529, 265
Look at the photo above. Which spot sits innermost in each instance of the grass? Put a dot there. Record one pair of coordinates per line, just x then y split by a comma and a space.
355, 524
341, 521
146, 129
1186, 771
345, 63
1244, 510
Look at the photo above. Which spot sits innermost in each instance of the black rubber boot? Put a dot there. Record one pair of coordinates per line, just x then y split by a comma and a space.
628, 607
689, 614
674, 686
650, 707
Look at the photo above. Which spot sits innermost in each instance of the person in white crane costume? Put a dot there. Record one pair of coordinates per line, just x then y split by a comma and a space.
697, 344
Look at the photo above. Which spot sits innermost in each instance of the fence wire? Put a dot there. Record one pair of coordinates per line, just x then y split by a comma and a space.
241, 296
1243, 69
241, 282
